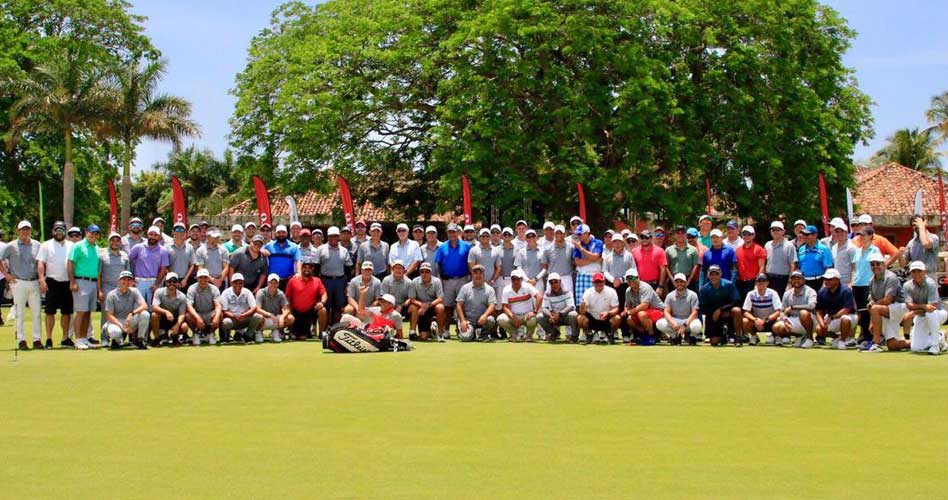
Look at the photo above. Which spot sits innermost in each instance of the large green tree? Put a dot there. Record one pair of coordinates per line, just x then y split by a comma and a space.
640, 100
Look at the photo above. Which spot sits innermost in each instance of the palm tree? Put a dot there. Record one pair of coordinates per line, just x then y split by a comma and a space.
937, 115
63, 96
140, 112
912, 148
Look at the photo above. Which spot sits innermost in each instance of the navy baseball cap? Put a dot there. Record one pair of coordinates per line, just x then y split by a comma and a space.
811, 229
582, 229
732, 224
92, 229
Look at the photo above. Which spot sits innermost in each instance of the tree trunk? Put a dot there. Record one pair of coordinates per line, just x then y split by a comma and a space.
126, 186
69, 182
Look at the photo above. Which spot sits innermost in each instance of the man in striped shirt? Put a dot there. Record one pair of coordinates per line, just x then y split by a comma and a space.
558, 309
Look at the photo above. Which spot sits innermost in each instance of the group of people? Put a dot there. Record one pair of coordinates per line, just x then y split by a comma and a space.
683, 286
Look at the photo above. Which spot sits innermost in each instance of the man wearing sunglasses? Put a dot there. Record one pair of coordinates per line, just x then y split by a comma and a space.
781, 258
134, 235
169, 312
54, 281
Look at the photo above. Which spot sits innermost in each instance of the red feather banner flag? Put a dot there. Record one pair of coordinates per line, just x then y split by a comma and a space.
177, 202
707, 188
346, 197
823, 205
941, 208
113, 208
263, 201
582, 201
466, 190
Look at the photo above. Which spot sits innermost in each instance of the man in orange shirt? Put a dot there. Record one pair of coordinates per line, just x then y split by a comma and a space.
307, 297
885, 246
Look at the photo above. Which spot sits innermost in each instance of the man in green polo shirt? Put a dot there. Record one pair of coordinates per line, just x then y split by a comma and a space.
683, 258
83, 270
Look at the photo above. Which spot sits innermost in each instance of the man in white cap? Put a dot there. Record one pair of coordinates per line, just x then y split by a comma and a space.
598, 311
762, 309
333, 259
169, 312
274, 307
476, 302
781, 258
204, 309
643, 308
468, 233
751, 261
558, 309
236, 240
295, 228
126, 313
196, 238
705, 224
495, 239
239, 309
18, 264
213, 257
680, 321
520, 240
587, 257
54, 281
160, 224
426, 305
799, 239
559, 260
548, 236
375, 251
149, 261
520, 304
836, 311
304, 239
250, 230
429, 248
532, 261
922, 247
397, 285
405, 250
799, 306
842, 251
506, 255
887, 309
134, 235
574, 223
112, 261
721, 255
364, 289
921, 297
283, 256
615, 262
382, 315
252, 264
486, 255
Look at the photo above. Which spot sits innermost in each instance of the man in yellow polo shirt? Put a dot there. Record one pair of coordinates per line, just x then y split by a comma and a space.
83, 270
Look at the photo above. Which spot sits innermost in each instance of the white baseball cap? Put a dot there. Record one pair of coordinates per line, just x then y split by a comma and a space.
214, 233
332, 231
553, 276
171, 276
273, 277
838, 223
389, 298
748, 229
716, 232
296, 223
374, 226
279, 228
831, 273
548, 225
483, 231
618, 237
680, 277
559, 229
917, 266
431, 229
507, 230
632, 272
24, 224
154, 229
575, 218
876, 257
236, 277
495, 227
865, 219
776, 224
518, 273
469, 227
203, 273
368, 265
530, 231
799, 222
236, 227
521, 222
398, 262
401, 226
157, 220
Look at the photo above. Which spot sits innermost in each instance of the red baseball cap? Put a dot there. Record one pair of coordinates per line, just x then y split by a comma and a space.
598, 277
360, 223
305, 232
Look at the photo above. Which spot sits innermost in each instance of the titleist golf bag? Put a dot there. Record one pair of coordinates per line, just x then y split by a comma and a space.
344, 337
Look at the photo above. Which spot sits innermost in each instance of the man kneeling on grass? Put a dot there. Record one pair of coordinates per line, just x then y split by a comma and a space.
475, 308
799, 302
273, 306
558, 310
521, 303
599, 311
680, 321
719, 301
204, 309
169, 312
643, 308
428, 315
240, 313
762, 308
887, 309
126, 313
835, 311
921, 297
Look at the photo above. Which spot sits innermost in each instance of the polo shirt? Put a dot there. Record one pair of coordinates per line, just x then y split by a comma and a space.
885, 246
428, 255
829, 302
374, 291
531, 261
408, 253
122, 304
681, 304
452, 259
252, 269
21, 258
398, 288
271, 303
747, 261
615, 265
426, 293
781, 255
764, 304
147, 261
926, 293
212, 259
176, 305
303, 294
558, 302
520, 301
806, 299
232, 247
474, 300
888, 285
915, 251
180, 259
85, 260
488, 257
843, 260
376, 254
862, 274
203, 299
111, 264
333, 260
559, 259
649, 262
236, 303
507, 256
815, 260
594, 246
681, 260
723, 257
283, 258
712, 299
645, 294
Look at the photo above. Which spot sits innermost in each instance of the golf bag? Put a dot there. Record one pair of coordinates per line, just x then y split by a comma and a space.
343, 338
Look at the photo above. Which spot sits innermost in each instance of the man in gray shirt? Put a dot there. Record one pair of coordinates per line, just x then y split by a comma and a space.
532, 261
126, 313
333, 259
397, 284
476, 302
213, 257
799, 304
559, 258
781, 258
923, 247
21, 276
558, 309
204, 308
681, 319
485, 255
429, 248
169, 312
643, 308
375, 251
181, 256
887, 307
251, 263
921, 298
273, 306
426, 299
112, 261
365, 284
842, 250
239, 309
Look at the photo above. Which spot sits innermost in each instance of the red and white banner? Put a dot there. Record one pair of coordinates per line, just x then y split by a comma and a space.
113, 208
180, 211
707, 188
466, 192
582, 202
263, 201
346, 198
824, 206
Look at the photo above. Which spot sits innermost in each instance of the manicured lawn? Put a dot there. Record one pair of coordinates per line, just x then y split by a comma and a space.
472, 421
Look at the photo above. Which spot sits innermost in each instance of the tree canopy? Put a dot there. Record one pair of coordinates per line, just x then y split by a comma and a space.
640, 100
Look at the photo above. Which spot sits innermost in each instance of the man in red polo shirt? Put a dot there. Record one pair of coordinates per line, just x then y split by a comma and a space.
307, 297
651, 263
751, 261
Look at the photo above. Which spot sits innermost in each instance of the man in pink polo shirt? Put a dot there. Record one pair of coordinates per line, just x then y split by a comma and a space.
651, 262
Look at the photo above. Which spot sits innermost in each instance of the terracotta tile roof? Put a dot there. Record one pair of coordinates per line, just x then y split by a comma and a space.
890, 190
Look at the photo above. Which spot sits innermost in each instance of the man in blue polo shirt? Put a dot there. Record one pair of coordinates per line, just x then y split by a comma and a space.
284, 256
719, 254
451, 257
813, 258
719, 302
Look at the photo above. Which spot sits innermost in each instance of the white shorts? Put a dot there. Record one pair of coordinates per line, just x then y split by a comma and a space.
269, 324
795, 325
891, 326
834, 325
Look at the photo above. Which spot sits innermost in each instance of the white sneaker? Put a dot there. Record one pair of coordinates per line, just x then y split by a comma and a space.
568, 331
754, 339
851, 342
435, 331
840, 345
873, 348
196, 339
82, 344
275, 336
785, 341
212, 339
522, 333
258, 337
808, 343
772, 340
799, 342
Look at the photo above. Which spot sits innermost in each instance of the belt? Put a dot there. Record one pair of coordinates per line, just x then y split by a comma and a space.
146, 279
86, 279
24, 279
454, 277
325, 276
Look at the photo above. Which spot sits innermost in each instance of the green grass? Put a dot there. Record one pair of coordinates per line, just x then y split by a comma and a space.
472, 421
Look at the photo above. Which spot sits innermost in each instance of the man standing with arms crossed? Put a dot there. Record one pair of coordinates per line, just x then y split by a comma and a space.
83, 270
333, 258
181, 256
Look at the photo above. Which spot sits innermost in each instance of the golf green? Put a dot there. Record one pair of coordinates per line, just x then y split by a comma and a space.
472, 421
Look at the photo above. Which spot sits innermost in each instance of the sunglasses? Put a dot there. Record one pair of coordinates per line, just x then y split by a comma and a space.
172, 280
632, 278
659, 235
426, 270
876, 264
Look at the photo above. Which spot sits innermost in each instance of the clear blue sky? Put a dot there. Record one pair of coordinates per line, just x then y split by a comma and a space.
900, 56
